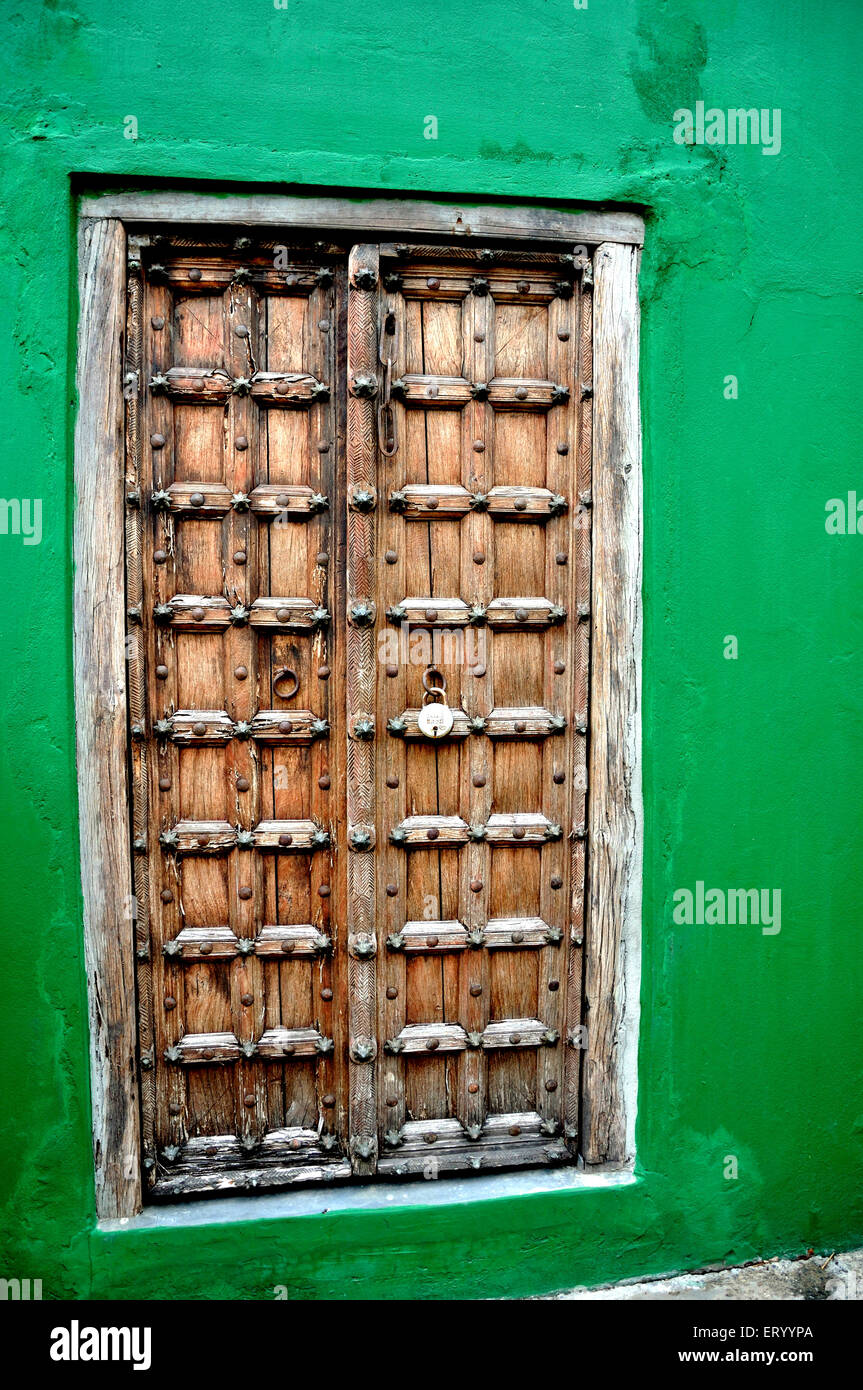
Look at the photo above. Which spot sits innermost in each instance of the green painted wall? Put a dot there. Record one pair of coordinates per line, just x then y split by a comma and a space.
749, 1043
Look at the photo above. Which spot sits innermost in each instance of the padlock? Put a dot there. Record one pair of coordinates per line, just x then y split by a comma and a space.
434, 720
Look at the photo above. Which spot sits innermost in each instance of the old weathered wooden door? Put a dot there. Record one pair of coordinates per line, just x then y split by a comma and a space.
358, 486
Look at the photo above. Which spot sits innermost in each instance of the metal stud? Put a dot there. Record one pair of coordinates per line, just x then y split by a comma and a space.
324, 782
240, 557
241, 442
157, 441
392, 890
161, 673
556, 881
521, 393
476, 885
324, 890
244, 892
160, 556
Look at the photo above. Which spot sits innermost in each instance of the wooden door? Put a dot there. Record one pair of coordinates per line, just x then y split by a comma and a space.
351, 473
471, 574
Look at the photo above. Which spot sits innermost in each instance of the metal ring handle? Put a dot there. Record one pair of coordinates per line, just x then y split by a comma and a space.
286, 673
428, 674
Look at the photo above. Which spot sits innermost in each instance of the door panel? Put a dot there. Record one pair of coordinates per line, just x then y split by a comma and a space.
234, 460
352, 474
485, 578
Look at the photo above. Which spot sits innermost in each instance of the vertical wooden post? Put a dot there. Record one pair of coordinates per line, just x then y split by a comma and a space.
615, 809
100, 687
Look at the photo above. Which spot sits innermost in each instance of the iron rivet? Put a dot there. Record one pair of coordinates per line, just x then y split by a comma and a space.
515, 1130
476, 885
518, 832
521, 393
324, 782
392, 992
326, 995
198, 615
561, 557
523, 286
162, 673
166, 895
324, 325
323, 673
164, 784
323, 890
431, 615
559, 668
433, 282
202, 840
554, 986
478, 446
239, 557
247, 999
391, 556
514, 1039
160, 556
521, 615
249, 1101
286, 727
322, 558
241, 672
283, 614
157, 441
478, 779
195, 275
286, 839
245, 892
433, 1044
433, 941
392, 1100
520, 504
174, 1108
206, 948
473, 1088
479, 337
392, 890
241, 442
563, 335
329, 1100
563, 448
433, 504
556, 881
158, 323
283, 501
520, 726
479, 557
478, 671
551, 1085
558, 777
199, 729
242, 331
432, 833
476, 991
517, 937
242, 784
392, 670
323, 446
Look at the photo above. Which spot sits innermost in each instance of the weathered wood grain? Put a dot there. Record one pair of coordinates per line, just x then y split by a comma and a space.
613, 930
100, 691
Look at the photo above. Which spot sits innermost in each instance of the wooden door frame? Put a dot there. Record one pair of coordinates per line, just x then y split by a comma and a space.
615, 823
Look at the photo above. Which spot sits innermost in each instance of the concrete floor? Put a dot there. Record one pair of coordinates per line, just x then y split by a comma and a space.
837, 1277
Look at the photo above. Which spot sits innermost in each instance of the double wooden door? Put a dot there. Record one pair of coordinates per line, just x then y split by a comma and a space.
358, 485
